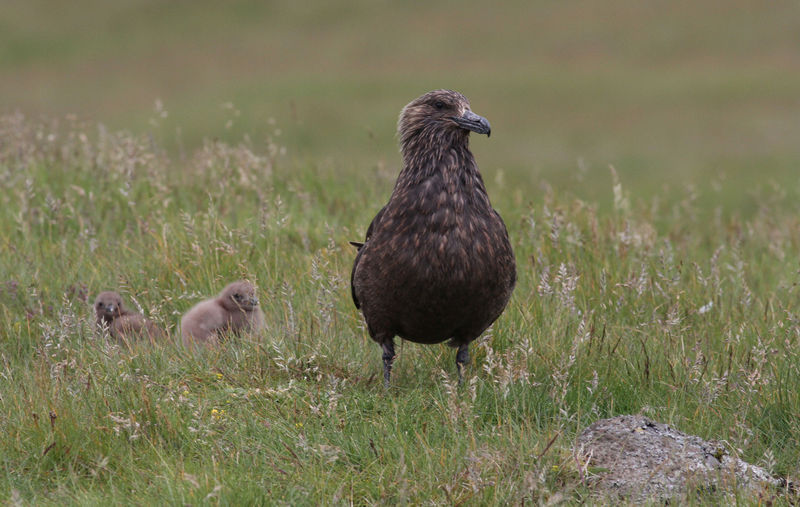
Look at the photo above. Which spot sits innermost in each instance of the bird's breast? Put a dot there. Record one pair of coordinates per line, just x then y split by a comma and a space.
441, 237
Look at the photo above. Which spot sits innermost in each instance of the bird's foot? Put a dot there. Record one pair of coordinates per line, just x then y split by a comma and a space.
388, 359
387, 370
462, 358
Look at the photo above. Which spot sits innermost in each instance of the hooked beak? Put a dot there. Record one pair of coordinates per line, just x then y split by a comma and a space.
254, 301
111, 308
473, 122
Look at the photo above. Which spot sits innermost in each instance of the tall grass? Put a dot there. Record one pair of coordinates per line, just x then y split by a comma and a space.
651, 306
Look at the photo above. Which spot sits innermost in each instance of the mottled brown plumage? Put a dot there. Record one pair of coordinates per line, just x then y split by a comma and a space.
234, 311
123, 324
436, 263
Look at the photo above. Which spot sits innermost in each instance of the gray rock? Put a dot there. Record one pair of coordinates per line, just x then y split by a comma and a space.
635, 458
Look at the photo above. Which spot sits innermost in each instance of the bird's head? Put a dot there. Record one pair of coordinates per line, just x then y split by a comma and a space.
437, 114
239, 296
108, 306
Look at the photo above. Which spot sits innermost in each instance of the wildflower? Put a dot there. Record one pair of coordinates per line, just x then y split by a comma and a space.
298, 425
217, 414
219, 376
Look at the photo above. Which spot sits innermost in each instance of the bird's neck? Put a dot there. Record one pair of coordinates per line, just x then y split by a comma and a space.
425, 158
432, 142
109, 318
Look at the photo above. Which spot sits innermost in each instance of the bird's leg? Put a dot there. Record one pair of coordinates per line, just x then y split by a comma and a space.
462, 358
388, 359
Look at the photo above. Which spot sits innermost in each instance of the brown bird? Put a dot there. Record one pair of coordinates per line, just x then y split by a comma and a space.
123, 324
436, 263
234, 311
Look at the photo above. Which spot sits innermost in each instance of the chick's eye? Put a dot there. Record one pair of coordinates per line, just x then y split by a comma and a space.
438, 104
237, 296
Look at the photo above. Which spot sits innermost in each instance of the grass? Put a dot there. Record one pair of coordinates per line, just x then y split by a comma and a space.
669, 92
644, 158
639, 307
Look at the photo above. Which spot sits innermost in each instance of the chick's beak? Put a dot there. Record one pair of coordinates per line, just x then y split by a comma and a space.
473, 122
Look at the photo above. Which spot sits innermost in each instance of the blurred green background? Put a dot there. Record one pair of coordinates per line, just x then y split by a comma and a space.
673, 94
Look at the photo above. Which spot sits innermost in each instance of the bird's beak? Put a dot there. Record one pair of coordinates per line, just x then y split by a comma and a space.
473, 122
111, 308
254, 301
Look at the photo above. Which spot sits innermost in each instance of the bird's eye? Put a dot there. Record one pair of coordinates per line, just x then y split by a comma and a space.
237, 296
99, 305
438, 104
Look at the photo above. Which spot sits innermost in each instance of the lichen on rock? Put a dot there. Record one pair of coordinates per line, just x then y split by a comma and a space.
635, 458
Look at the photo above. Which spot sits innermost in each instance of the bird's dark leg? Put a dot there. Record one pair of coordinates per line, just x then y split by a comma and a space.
388, 359
462, 358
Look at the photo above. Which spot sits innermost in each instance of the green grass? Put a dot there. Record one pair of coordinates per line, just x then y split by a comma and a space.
258, 138
642, 307
667, 92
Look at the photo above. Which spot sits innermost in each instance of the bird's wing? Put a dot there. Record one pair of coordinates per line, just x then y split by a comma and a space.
505, 231
374, 223
352, 279
360, 247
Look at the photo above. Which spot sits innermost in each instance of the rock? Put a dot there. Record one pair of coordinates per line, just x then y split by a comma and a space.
635, 458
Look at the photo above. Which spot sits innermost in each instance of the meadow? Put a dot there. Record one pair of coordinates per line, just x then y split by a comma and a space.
648, 179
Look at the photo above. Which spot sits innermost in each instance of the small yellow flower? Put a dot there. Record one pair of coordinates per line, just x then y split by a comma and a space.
219, 376
298, 425
555, 468
186, 392
217, 414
